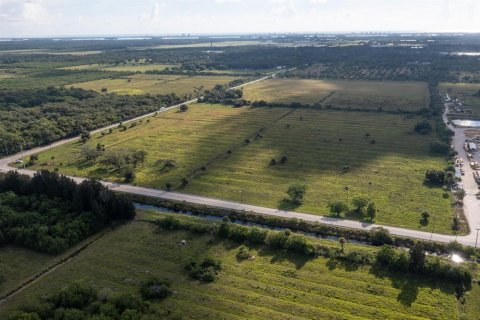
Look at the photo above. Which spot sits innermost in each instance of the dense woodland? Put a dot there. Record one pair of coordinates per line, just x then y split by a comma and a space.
51, 213
35, 117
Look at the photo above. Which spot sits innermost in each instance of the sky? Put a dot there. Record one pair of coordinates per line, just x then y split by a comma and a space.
51, 18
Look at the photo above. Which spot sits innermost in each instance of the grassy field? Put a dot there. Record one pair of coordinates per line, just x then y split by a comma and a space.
19, 264
389, 95
464, 91
155, 84
205, 45
275, 285
388, 166
122, 68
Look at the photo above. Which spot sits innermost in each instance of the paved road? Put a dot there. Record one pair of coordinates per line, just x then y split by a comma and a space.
472, 205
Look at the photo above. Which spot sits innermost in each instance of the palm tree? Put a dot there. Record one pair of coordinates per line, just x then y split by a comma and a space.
342, 242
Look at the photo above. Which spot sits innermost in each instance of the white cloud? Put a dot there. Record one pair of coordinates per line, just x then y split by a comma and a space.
24, 12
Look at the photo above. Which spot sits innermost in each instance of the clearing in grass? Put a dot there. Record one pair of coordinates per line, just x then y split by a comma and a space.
272, 285
228, 153
155, 84
387, 95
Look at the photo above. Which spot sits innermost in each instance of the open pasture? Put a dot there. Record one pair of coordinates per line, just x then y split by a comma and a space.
218, 44
122, 68
275, 285
155, 84
338, 155
387, 95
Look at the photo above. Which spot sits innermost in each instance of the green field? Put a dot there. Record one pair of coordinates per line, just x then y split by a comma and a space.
155, 84
205, 45
275, 285
4, 74
122, 68
464, 91
388, 166
388, 95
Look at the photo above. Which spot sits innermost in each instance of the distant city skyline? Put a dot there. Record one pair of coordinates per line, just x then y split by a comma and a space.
56, 18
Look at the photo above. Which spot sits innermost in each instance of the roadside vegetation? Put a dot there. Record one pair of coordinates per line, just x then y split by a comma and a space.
267, 280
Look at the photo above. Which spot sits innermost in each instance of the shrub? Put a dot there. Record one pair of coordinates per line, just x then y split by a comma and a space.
338, 207
206, 270
380, 236
243, 253
129, 174
425, 216
155, 288
257, 235
170, 222
360, 203
435, 177
238, 233
77, 295
296, 192
439, 147
276, 240
423, 127
22, 315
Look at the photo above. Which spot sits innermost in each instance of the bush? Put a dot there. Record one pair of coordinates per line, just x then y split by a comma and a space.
155, 288
439, 147
129, 174
423, 127
257, 235
435, 177
243, 253
337, 207
380, 236
22, 315
170, 222
77, 295
276, 239
206, 270
298, 244
360, 203
296, 192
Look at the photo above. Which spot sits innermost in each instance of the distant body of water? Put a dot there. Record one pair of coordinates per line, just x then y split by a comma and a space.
467, 123
472, 54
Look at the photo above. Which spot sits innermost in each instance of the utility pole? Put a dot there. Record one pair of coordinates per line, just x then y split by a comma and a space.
433, 226
476, 239
6, 148
23, 156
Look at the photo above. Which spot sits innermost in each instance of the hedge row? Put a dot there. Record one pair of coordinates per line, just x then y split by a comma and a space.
376, 237
393, 260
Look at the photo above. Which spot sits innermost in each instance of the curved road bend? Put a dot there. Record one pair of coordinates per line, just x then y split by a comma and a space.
471, 203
